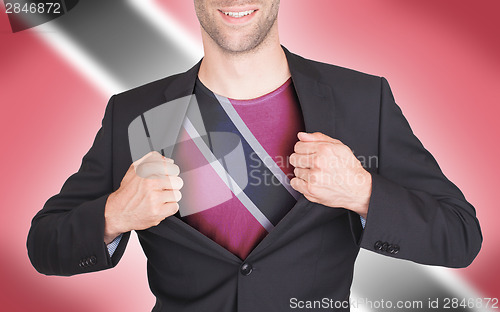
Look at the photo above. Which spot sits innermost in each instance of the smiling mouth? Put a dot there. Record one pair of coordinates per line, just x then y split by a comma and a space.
239, 14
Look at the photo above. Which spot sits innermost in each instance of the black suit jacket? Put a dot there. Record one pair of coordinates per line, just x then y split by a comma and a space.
415, 212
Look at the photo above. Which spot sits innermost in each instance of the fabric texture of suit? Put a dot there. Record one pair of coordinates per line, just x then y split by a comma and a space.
310, 254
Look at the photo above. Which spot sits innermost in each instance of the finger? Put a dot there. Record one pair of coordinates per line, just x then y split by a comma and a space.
157, 169
157, 157
148, 170
172, 169
171, 208
302, 161
172, 183
170, 196
316, 137
302, 147
152, 154
305, 147
311, 176
301, 186
301, 173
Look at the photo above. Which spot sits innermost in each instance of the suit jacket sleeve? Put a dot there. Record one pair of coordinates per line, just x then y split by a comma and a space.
67, 236
413, 206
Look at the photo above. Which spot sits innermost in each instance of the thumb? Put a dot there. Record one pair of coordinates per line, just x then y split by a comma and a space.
152, 156
148, 156
316, 137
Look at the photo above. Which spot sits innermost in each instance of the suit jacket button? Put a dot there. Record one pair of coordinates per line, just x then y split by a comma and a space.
84, 263
378, 245
396, 249
93, 260
390, 249
246, 269
384, 246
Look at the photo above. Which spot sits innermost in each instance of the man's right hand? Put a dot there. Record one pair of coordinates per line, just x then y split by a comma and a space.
148, 193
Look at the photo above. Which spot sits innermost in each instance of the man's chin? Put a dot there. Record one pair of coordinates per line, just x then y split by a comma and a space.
239, 46
239, 50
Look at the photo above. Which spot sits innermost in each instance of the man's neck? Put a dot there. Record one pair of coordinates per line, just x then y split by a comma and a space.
244, 76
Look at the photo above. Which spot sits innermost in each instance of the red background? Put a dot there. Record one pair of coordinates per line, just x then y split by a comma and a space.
440, 57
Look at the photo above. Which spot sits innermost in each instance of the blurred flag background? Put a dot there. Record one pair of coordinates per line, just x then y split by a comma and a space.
440, 57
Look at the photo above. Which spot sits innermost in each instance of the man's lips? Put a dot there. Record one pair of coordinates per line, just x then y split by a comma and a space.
237, 15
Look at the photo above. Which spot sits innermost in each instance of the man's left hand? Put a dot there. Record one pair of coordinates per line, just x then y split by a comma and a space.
327, 172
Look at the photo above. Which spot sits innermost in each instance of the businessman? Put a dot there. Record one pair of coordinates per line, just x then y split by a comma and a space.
266, 243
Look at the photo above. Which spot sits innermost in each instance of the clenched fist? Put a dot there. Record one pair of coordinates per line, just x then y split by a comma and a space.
148, 193
327, 172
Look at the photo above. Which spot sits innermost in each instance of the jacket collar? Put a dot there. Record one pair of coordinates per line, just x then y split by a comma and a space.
315, 96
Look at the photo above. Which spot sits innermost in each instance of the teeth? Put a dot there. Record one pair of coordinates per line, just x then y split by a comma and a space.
239, 14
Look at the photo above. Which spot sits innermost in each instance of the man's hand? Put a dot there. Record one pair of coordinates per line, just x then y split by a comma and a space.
148, 193
327, 172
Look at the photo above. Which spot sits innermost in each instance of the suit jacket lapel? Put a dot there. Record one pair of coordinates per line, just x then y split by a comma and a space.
318, 107
183, 85
316, 98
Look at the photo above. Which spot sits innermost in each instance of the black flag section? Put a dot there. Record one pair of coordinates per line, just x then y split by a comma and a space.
25, 14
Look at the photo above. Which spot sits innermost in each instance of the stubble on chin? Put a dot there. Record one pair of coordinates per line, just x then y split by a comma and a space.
243, 45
